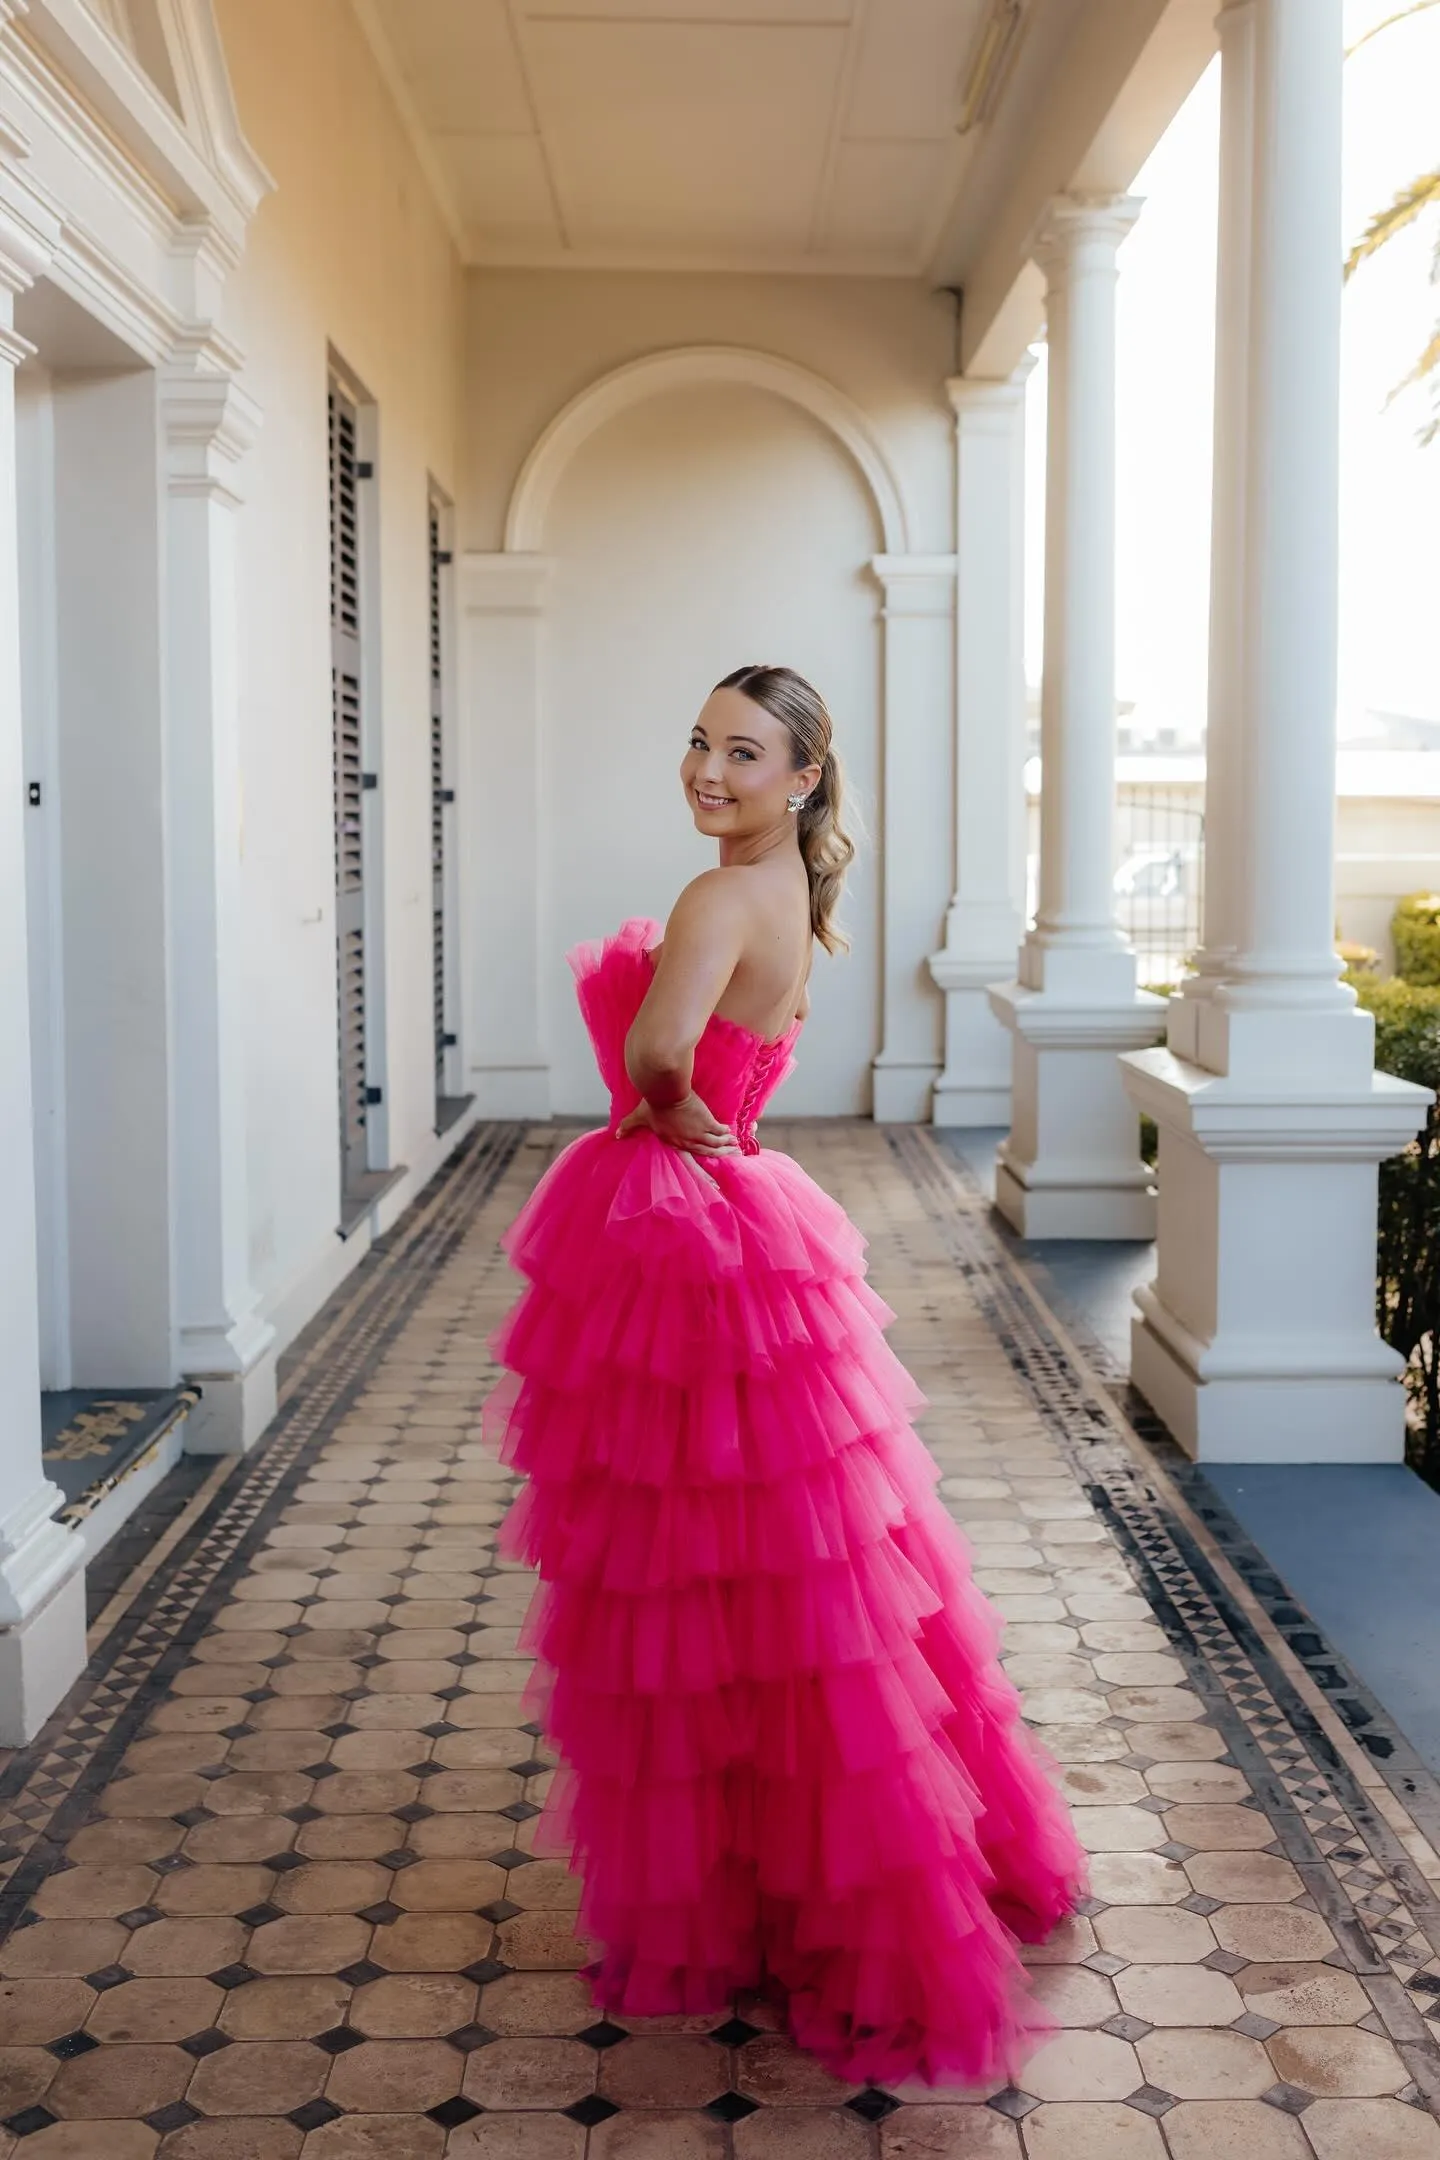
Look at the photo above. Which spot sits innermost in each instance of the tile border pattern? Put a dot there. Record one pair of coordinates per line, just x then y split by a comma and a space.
1355, 1868
46, 1789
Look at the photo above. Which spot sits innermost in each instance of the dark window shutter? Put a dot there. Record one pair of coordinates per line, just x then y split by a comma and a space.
437, 801
349, 781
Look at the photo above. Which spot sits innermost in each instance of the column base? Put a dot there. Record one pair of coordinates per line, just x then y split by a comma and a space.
1071, 1167
1078, 1207
511, 1091
1256, 1342
974, 1088
902, 1090
42, 1636
236, 1375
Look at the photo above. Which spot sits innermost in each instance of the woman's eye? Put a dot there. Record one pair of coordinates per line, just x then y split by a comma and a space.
748, 755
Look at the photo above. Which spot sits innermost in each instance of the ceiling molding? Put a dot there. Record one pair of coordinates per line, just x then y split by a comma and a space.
367, 14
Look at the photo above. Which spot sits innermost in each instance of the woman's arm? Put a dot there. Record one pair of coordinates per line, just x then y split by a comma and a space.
704, 939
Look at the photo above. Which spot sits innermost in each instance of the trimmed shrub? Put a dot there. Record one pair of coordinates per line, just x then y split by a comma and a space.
1415, 928
1407, 1287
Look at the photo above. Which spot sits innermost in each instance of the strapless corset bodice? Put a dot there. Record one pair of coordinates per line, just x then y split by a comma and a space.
736, 1070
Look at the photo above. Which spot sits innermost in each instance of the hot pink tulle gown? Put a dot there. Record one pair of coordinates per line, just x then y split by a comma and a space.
791, 1760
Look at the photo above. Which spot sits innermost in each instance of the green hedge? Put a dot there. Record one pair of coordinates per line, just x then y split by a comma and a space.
1415, 927
1407, 1289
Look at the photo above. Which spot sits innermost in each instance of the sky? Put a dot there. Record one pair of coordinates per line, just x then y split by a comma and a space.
1390, 487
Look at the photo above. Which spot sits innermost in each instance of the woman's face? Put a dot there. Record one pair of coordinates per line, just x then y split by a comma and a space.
738, 773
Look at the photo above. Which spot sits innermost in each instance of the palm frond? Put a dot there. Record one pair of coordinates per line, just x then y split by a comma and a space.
1425, 367
1411, 202
1416, 7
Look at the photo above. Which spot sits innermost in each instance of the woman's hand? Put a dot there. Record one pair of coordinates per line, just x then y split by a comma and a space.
686, 1125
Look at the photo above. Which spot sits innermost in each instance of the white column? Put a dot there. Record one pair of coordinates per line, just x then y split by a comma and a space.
1256, 1341
503, 599
986, 918
1071, 1166
42, 1582
224, 1341
918, 842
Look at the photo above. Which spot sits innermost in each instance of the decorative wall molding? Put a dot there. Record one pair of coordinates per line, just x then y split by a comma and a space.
690, 366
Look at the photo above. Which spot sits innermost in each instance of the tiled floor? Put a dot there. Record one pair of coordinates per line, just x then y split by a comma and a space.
269, 1888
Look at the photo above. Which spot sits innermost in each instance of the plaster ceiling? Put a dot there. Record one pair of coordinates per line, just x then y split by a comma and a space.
754, 134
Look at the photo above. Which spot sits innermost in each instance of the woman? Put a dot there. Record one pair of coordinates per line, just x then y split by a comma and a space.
791, 1762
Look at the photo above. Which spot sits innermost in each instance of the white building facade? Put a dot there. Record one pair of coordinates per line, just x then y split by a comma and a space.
406, 414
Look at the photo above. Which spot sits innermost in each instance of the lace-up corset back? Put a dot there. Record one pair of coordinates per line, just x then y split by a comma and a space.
736, 1070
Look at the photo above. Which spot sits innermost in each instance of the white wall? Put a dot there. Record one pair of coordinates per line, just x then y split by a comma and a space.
349, 254
703, 527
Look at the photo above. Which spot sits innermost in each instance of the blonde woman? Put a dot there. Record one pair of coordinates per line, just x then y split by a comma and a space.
791, 1763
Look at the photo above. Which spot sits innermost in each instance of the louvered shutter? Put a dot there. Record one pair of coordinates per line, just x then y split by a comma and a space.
349, 781
437, 804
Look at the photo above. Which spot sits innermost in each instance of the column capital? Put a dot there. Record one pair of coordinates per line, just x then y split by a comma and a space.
24, 252
210, 423
916, 584
976, 396
1071, 222
506, 582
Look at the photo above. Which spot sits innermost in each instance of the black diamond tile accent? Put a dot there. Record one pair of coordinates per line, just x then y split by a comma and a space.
71, 2044
520, 1810
361, 1972
1225, 1961
1150, 2099
1126, 2027
469, 2037
140, 1916
302, 1814
593, 2109
232, 1976
177, 2116
536, 1732
533, 1768
338, 2039
873, 2105
484, 1970
416, 1811
425, 1769
314, 2115
730, 2107
451, 2113
170, 1863
1202, 1905
260, 1915
603, 2035
439, 1731
193, 1817
335, 1732
1253, 2026
400, 1858
107, 1976
29, 2120
451, 1694
733, 2033
1291, 2099
282, 1862
383, 1914
208, 2042
1102, 1961
1013, 2102
511, 1857
501, 1909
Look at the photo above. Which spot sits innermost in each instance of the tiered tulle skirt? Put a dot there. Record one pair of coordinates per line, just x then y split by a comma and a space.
791, 1761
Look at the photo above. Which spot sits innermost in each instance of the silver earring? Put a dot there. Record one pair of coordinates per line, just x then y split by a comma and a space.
797, 804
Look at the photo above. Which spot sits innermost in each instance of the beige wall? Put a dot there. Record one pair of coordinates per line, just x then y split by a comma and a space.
349, 253
702, 527
537, 338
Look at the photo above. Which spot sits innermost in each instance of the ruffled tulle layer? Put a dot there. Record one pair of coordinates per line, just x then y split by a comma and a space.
791, 1758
